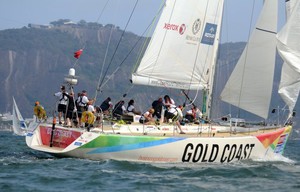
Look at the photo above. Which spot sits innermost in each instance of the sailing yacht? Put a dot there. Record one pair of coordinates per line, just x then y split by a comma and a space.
182, 54
18, 123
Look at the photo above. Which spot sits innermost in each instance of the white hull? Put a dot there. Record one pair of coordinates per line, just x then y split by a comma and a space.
98, 145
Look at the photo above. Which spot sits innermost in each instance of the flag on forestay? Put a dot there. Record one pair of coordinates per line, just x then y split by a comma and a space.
78, 53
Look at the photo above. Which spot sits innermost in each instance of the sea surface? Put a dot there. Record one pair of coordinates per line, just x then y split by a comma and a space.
22, 169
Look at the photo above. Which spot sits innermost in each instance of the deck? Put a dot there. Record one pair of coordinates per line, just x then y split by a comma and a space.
246, 132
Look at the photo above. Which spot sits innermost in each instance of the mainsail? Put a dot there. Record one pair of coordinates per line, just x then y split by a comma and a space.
289, 50
250, 84
182, 50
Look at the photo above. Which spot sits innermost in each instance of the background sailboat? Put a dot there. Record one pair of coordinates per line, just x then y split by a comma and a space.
19, 126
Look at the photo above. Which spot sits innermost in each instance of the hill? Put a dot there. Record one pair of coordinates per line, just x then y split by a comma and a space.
35, 59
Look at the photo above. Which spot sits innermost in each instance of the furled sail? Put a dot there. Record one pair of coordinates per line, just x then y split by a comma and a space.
183, 47
250, 84
289, 49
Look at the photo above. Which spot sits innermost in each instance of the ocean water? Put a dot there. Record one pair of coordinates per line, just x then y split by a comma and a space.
22, 169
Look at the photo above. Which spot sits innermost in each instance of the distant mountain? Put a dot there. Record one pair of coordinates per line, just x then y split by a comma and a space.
35, 59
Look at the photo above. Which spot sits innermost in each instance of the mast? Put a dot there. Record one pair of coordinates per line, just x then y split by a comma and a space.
208, 93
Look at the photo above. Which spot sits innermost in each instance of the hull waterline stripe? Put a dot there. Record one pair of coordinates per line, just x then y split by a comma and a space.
134, 146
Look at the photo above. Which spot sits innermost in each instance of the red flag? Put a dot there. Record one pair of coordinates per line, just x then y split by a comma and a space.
78, 53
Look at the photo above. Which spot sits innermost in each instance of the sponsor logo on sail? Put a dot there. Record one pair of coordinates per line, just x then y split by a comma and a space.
195, 30
182, 29
173, 84
174, 27
209, 34
196, 26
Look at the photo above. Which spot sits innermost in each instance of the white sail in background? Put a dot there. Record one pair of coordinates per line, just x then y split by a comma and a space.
289, 49
19, 125
250, 84
289, 6
183, 47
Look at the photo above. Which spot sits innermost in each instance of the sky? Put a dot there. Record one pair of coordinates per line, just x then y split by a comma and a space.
19, 13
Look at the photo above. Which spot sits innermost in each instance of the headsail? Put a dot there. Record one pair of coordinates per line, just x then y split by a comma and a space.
250, 84
183, 47
289, 50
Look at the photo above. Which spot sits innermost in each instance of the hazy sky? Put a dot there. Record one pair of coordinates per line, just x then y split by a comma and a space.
19, 13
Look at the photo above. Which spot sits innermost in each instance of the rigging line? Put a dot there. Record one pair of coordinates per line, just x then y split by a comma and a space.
212, 67
245, 60
149, 30
203, 71
193, 101
102, 11
188, 98
198, 48
99, 17
119, 42
214, 78
104, 83
123, 96
136, 43
164, 38
227, 53
104, 60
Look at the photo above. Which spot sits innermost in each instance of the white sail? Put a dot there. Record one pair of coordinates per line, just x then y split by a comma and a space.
289, 50
289, 6
183, 47
19, 125
250, 84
